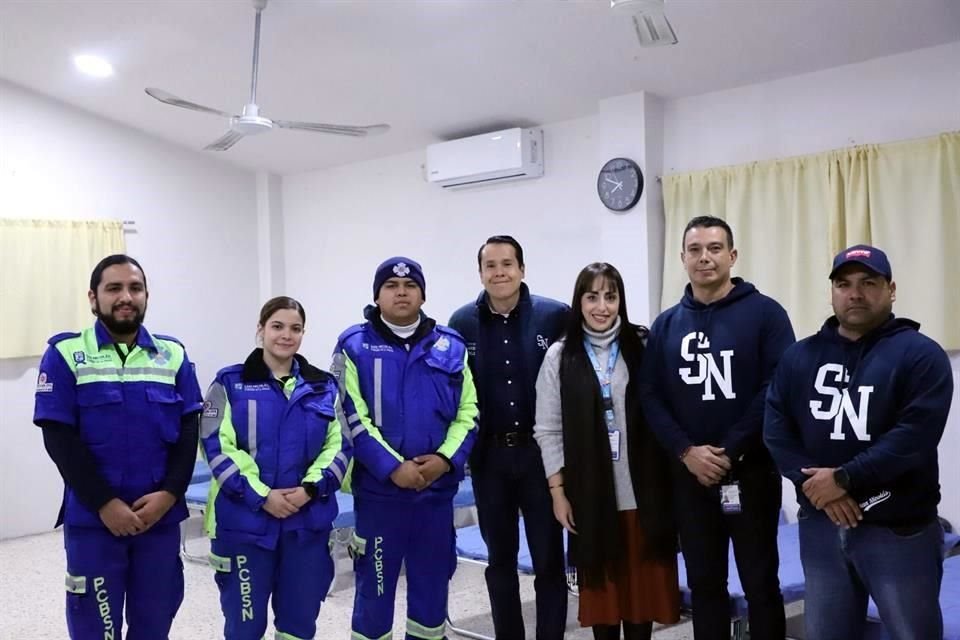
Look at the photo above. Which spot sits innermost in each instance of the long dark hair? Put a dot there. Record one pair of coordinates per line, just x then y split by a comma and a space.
588, 469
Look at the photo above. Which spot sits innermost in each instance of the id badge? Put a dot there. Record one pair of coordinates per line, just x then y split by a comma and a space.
730, 497
614, 437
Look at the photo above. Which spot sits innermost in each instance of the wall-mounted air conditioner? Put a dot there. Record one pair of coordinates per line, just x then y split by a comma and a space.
512, 154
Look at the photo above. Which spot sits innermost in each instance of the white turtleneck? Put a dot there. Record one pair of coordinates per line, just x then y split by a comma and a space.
402, 331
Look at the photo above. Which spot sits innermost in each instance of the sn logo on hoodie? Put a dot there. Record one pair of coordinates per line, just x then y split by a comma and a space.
706, 372
841, 404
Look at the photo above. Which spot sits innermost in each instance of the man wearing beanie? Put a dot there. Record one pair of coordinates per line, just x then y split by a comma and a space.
411, 407
854, 415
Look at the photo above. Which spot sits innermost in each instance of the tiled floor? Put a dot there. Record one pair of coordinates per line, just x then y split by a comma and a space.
31, 598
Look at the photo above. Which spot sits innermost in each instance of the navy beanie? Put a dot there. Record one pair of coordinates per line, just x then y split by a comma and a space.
398, 267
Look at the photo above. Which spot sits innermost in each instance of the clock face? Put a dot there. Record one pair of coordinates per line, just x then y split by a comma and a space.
620, 184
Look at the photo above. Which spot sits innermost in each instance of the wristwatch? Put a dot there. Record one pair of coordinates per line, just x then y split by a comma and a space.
841, 478
310, 488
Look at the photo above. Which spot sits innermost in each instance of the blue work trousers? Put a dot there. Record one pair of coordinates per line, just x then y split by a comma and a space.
107, 574
295, 577
419, 534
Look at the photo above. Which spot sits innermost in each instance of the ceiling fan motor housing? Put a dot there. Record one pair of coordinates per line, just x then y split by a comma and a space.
250, 123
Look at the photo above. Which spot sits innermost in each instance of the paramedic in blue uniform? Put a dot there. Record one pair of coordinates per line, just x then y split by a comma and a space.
854, 415
508, 331
118, 408
410, 404
270, 434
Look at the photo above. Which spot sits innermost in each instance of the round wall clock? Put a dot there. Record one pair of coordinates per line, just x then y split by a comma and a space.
620, 184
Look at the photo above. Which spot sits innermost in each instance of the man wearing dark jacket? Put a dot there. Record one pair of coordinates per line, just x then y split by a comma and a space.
507, 331
853, 418
708, 362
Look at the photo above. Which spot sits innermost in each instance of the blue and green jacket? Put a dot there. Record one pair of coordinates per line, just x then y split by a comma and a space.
403, 398
127, 404
258, 434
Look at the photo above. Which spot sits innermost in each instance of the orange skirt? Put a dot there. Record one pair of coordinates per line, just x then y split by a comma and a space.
647, 591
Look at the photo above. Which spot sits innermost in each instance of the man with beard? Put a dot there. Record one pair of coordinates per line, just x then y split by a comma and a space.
119, 409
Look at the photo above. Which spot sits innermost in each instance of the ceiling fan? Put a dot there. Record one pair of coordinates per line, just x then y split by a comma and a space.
250, 122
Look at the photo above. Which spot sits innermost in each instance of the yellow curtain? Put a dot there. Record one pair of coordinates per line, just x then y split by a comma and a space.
45, 270
791, 216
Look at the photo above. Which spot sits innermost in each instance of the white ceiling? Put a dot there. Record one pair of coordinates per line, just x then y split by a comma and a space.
435, 69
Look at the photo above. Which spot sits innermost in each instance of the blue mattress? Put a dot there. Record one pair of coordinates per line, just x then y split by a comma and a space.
197, 493
201, 472
470, 545
791, 573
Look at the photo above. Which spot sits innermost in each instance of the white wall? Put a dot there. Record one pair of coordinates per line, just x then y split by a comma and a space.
900, 97
196, 237
340, 223
911, 95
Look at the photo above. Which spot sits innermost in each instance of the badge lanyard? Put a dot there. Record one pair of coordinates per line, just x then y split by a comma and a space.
606, 391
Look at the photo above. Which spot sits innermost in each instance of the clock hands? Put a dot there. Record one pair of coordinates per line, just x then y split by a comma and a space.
619, 185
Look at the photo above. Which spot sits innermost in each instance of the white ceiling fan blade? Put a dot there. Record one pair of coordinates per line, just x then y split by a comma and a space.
224, 142
337, 129
168, 98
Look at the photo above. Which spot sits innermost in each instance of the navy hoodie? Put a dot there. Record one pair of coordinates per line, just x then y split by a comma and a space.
875, 407
706, 370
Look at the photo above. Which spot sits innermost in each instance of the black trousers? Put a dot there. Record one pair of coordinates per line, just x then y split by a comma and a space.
510, 481
705, 535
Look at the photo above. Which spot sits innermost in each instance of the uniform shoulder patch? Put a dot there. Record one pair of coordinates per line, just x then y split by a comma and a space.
43, 385
452, 333
210, 411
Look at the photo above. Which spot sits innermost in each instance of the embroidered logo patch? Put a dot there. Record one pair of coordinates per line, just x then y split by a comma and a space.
42, 385
79, 357
210, 411
401, 269
160, 356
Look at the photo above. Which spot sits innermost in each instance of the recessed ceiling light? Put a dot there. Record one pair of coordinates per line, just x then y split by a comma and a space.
93, 66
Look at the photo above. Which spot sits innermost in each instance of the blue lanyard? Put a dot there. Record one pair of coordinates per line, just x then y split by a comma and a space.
606, 380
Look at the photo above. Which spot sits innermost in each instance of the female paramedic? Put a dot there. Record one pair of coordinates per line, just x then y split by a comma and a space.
274, 445
607, 475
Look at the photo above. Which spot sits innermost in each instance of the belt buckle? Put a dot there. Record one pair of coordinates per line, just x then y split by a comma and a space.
511, 439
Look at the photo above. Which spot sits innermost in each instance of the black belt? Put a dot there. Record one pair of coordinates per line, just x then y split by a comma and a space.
513, 438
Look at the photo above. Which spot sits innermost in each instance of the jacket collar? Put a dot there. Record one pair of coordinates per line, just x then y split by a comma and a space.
256, 370
427, 325
483, 302
104, 339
